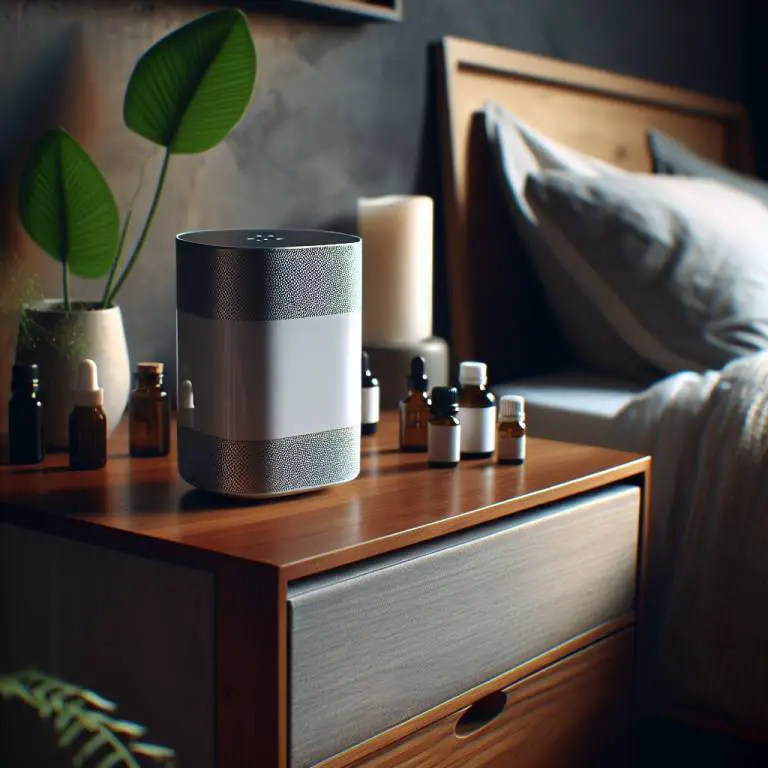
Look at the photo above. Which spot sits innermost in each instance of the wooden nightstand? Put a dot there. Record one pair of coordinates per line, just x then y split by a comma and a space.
413, 617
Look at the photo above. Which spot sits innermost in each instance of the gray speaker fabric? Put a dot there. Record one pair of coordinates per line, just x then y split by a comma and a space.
376, 644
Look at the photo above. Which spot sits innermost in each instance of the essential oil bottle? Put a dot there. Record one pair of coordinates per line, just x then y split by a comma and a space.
370, 399
415, 408
88, 422
477, 412
512, 430
25, 417
149, 413
444, 429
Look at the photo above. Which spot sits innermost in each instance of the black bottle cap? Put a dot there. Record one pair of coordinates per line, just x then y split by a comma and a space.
24, 374
368, 379
445, 401
418, 380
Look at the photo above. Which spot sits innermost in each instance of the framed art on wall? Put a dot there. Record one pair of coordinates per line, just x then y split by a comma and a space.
382, 10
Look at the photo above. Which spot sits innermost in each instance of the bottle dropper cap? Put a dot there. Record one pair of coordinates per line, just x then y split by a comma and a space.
186, 395
473, 374
418, 380
368, 378
512, 407
88, 392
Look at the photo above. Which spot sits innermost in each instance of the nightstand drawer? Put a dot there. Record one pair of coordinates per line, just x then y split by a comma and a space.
574, 713
373, 645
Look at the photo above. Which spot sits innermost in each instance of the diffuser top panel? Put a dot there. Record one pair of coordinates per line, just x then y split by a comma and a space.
266, 238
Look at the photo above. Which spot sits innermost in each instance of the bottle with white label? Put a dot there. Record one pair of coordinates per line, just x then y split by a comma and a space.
512, 430
477, 412
370, 399
444, 428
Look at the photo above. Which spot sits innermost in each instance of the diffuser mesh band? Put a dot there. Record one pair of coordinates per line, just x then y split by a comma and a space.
269, 467
268, 284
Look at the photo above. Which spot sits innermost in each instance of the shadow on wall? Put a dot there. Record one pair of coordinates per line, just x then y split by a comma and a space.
43, 82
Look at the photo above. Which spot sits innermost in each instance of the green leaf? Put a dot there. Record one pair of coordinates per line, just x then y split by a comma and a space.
70, 734
64, 718
109, 760
67, 207
95, 700
90, 748
134, 730
151, 750
189, 90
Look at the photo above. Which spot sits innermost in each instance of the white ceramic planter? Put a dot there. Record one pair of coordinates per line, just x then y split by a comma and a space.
57, 341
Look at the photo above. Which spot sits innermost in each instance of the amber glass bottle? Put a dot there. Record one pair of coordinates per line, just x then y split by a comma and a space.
444, 429
512, 430
88, 422
149, 413
415, 409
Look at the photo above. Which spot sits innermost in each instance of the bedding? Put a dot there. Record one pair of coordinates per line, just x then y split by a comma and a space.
575, 406
676, 266
670, 157
705, 629
517, 151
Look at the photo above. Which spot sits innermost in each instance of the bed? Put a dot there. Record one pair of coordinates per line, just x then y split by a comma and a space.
706, 428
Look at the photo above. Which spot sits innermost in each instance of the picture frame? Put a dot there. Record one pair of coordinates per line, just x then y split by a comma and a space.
377, 10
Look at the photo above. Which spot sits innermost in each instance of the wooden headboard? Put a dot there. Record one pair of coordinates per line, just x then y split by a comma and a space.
498, 312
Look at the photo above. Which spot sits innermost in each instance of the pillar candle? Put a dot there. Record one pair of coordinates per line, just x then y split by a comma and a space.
397, 268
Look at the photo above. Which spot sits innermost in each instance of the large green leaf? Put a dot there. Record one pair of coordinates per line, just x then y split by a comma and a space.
191, 88
67, 207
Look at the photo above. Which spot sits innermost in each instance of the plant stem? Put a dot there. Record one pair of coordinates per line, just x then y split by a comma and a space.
65, 285
145, 229
124, 234
116, 260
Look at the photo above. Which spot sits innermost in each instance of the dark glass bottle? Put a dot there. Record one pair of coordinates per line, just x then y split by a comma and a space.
369, 399
149, 413
512, 430
444, 429
87, 421
25, 417
415, 409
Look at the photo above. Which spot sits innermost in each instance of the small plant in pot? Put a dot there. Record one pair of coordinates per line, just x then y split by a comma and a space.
185, 94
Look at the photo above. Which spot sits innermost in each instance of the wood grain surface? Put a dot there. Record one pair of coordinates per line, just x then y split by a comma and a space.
571, 714
396, 501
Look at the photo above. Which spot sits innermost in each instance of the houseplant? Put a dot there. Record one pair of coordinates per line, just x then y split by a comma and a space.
185, 94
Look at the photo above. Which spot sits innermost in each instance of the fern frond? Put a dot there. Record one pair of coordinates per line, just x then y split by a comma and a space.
79, 712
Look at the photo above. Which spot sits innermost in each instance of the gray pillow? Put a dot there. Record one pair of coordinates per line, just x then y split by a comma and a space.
519, 151
670, 157
677, 267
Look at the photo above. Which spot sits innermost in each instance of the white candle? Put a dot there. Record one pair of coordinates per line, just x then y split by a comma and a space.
397, 268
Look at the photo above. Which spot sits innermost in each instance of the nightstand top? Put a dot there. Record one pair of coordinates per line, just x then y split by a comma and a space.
397, 500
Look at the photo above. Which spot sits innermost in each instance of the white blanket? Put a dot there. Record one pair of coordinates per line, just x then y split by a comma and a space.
704, 640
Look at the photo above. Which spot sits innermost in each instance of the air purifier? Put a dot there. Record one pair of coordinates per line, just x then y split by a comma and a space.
269, 335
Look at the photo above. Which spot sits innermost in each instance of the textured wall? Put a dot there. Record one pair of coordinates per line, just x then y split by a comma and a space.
340, 109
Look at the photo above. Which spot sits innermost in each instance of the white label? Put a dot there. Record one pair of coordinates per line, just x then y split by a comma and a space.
512, 449
369, 402
250, 379
444, 443
478, 429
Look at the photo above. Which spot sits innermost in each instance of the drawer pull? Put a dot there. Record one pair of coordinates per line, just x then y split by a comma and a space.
480, 714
